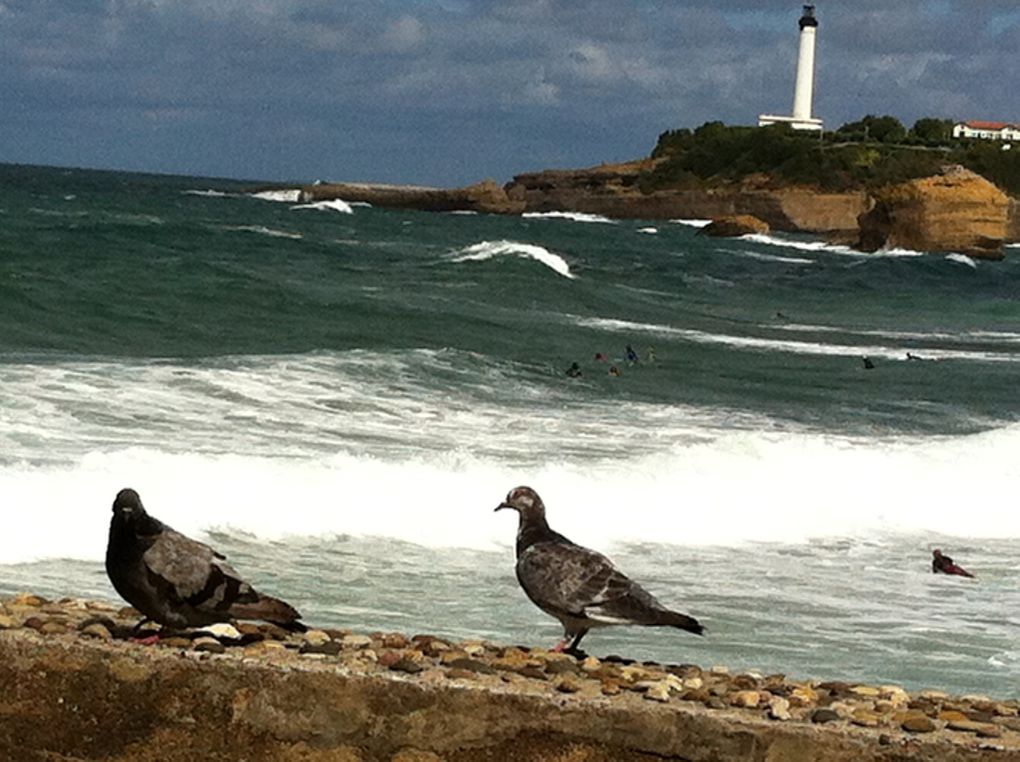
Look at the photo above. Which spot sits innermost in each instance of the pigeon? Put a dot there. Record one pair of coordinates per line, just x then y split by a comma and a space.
941, 564
576, 585
179, 582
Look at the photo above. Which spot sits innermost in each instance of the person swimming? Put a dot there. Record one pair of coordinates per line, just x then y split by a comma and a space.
601, 357
574, 371
632, 356
614, 371
868, 364
941, 564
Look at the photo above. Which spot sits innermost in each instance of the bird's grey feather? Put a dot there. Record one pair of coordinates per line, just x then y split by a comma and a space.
569, 580
189, 567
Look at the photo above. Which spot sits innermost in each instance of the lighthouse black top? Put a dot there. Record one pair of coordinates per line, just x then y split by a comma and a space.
808, 19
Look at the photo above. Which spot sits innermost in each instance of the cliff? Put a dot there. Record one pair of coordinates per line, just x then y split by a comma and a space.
75, 688
956, 210
959, 212
612, 190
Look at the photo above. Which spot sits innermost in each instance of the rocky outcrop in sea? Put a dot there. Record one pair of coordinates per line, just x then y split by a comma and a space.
957, 211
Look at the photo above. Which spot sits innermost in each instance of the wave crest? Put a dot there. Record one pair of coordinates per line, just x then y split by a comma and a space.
333, 204
489, 249
287, 196
572, 216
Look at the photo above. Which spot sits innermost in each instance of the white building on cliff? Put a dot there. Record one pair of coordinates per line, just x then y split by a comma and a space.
976, 130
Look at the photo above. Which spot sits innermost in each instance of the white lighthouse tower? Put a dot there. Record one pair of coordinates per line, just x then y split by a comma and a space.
804, 89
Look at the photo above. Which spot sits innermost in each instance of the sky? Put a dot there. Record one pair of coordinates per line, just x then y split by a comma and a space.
450, 92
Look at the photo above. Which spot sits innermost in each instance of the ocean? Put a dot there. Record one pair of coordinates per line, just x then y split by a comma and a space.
338, 396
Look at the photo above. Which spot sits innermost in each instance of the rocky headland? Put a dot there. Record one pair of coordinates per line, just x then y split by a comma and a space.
76, 687
954, 210
613, 190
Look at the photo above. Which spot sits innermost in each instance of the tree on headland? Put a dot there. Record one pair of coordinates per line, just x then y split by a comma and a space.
872, 152
933, 131
883, 129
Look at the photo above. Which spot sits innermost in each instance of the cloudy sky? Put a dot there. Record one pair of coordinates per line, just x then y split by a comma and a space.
448, 92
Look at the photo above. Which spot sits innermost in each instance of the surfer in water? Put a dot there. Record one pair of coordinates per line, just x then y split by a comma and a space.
941, 564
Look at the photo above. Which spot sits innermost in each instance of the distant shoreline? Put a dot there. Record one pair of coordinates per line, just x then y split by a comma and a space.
613, 191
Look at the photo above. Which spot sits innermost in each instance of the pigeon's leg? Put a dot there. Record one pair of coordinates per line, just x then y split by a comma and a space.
573, 647
146, 641
137, 627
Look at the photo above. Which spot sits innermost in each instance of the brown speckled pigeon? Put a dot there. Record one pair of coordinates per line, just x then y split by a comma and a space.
576, 585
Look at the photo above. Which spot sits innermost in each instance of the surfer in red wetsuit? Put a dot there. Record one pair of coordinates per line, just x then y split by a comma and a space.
941, 564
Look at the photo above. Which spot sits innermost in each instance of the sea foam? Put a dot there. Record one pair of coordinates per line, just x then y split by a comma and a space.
962, 259
741, 487
288, 196
797, 347
333, 204
788, 243
263, 230
572, 216
208, 193
480, 252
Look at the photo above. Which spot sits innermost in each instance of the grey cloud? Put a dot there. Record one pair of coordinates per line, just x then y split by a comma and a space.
452, 91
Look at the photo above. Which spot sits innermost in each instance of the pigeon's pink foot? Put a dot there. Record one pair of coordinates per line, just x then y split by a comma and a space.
149, 640
558, 648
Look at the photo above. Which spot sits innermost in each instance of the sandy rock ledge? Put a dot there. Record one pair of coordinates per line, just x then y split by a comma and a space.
76, 688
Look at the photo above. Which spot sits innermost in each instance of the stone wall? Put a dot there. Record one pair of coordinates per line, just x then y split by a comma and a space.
75, 687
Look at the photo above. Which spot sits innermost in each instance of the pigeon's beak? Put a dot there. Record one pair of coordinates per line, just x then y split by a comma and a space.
501, 506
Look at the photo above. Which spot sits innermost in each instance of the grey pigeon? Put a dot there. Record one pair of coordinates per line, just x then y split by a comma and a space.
179, 582
576, 585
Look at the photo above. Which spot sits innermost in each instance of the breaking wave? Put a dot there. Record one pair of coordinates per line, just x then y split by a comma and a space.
489, 249
263, 230
573, 216
333, 204
288, 196
693, 223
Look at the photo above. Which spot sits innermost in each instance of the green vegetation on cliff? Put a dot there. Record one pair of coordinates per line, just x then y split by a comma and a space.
872, 152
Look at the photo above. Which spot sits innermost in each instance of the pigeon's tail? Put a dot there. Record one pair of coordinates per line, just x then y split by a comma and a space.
270, 609
680, 621
293, 625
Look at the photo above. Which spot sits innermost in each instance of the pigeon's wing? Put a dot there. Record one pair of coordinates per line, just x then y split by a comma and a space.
192, 573
567, 579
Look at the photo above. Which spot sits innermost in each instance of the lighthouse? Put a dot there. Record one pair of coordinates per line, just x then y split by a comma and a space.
804, 89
